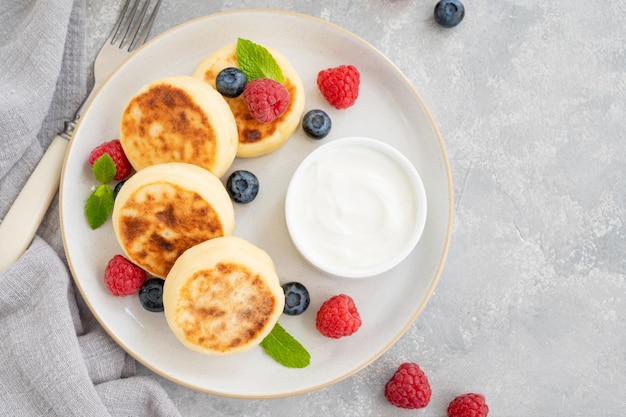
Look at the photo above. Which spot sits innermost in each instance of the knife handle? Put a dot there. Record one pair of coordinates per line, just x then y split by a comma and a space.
25, 215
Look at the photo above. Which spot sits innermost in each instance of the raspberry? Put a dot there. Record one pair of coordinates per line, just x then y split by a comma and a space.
409, 387
340, 85
122, 277
338, 317
468, 405
115, 151
266, 99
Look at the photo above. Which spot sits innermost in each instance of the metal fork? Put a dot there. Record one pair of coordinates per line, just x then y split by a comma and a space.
25, 215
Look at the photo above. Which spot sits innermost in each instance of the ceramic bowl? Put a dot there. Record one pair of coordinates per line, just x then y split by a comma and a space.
355, 207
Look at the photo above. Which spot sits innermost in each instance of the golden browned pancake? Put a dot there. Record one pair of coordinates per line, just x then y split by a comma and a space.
179, 119
164, 209
257, 138
222, 296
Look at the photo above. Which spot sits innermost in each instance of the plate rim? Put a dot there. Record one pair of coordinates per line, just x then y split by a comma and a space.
450, 214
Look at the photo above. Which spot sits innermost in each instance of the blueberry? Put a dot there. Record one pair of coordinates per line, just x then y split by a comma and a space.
230, 82
151, 294
449, 13
297, 298
316, 124
117, 188
242, 186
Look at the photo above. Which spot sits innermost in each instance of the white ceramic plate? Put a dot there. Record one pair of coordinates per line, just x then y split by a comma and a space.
387, 108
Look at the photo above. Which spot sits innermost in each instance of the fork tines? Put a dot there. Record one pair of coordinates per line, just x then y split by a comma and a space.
130, 30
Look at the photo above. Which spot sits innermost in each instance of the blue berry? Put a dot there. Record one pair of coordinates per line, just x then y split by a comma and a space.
316, 124
297, 298
117, 188
151, 294
230, 82
242, 186
449, 13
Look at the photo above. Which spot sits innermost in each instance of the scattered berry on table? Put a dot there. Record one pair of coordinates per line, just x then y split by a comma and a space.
151, 294
339, 85
408, 387
449, 13
115, 151
117, 188
338, 317
266, 99
468, 405
122, 277
230, 82
297, 298
316, 124
242, 186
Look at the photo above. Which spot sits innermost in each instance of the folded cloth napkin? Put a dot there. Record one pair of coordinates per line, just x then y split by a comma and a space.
55, 359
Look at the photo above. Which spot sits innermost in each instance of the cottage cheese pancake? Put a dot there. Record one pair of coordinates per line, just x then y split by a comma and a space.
164, 209
257, 138
222, 296
179, 119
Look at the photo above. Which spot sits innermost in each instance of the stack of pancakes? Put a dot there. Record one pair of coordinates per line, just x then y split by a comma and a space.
174, 218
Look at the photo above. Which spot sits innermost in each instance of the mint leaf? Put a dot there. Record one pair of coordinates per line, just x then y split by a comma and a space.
104, 168
284, 349
257, 62
99, 205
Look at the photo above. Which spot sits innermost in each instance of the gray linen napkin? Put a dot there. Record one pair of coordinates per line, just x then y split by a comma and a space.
55, 359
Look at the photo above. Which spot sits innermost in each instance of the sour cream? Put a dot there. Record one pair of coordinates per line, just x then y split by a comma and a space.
355, 207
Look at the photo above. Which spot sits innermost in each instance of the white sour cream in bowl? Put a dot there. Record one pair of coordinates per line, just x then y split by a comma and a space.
355, 207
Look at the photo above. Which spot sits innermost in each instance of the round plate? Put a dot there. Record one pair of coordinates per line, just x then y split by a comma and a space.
388, 108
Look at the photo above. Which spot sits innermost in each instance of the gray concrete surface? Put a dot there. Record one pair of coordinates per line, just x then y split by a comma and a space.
530, 97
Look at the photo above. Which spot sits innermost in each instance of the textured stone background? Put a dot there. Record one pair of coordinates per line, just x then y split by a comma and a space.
530, 98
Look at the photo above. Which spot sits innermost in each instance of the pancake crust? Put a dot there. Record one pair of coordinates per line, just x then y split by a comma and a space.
222, 296
257, 138
178, 119
165, 209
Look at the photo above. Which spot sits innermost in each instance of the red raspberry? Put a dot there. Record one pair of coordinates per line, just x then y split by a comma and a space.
468, 405
338, 317
122, 277
266, 99
115, 151
409, 387
340, 85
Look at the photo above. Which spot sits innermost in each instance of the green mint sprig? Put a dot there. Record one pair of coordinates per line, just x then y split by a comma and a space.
100, 203
255, 61
284, 349
99, 206
104, 169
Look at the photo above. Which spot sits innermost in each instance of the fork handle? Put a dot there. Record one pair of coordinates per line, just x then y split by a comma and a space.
25, 215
